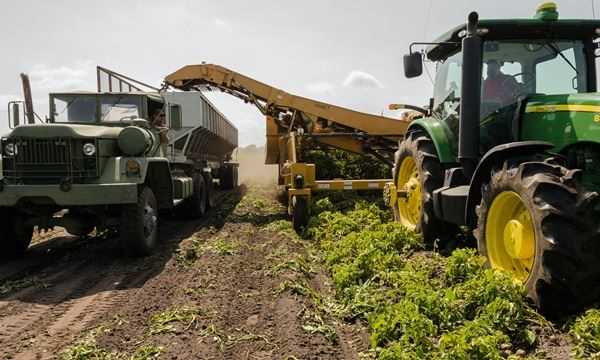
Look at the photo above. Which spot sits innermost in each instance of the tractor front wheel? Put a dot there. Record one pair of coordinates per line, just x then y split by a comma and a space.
417, 173
536, 225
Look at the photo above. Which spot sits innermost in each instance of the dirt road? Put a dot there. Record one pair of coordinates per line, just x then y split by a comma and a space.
238, 284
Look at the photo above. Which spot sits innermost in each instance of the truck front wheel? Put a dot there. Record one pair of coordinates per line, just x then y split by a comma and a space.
139, 225
15, 236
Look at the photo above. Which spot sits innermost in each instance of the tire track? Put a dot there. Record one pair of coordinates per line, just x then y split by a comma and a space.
85, 282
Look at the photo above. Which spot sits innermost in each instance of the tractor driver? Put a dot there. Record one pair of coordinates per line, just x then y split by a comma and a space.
498, 87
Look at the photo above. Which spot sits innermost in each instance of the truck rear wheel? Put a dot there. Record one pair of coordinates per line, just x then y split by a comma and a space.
195, 206
15, 236
536, 225
229, 177
418, 172
139, 224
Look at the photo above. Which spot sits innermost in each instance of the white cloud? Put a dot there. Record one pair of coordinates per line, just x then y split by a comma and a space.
63, 78
222, 24
361, 79
321, 87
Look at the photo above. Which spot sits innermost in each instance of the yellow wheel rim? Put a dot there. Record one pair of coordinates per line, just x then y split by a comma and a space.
408, 182
510, 235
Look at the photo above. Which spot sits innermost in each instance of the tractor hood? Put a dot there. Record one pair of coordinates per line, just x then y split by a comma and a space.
65, 130
562, 119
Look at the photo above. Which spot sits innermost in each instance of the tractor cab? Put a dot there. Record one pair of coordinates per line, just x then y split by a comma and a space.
518, 61
509, 148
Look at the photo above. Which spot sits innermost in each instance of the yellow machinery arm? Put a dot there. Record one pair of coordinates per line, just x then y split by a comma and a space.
293, 121
296, 116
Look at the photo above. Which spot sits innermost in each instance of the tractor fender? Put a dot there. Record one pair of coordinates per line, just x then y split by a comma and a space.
496, 156
440, 134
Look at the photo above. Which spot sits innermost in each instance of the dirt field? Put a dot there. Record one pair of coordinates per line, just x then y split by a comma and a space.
230, 286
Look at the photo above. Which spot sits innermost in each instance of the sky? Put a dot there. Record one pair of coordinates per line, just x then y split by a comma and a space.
348, 53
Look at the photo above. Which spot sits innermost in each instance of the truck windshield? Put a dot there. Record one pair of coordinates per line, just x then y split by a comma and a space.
93, 108
514, 69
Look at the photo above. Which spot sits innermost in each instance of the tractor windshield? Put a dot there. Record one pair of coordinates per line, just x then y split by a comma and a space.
94, 108
514, 69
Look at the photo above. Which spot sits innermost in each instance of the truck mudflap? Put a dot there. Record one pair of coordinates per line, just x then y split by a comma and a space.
75, 194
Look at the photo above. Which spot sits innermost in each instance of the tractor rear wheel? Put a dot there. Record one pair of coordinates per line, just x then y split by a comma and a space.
537, 225
417, 173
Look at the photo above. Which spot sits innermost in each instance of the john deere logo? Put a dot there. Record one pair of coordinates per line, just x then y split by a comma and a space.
597, 118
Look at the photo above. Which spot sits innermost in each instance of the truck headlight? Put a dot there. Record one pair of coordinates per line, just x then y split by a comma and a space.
89, 149
10, 149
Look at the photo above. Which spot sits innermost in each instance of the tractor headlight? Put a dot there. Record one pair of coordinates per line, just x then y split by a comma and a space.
10, 149
89, 149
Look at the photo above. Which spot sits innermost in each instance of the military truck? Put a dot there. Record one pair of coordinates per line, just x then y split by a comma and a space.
509, 148
112, 160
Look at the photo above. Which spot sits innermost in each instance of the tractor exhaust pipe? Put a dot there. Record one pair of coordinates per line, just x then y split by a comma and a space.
470, 99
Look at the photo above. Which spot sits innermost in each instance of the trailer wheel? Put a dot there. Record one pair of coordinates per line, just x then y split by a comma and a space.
418, 172
15, 236
139, 225
536, 225
208, 181
229, 177
195, 206
300, 213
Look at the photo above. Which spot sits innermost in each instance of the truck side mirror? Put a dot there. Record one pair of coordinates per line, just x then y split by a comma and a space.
413, 65
14, 113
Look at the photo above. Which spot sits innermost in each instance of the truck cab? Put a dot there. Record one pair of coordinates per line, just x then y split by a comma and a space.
112, 160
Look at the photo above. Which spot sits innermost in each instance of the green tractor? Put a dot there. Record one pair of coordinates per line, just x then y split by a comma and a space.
509, 147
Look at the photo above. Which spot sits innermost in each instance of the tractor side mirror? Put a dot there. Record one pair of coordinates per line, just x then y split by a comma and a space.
413, 65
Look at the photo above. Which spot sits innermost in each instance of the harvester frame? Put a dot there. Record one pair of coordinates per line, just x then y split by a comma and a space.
290, 121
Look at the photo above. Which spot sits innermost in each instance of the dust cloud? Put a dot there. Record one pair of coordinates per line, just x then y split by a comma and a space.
252, 166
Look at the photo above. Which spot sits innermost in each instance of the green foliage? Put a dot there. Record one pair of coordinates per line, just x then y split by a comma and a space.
332, 163
586, 334
147, 352
11, 286
173, 320
419, 305
462, 265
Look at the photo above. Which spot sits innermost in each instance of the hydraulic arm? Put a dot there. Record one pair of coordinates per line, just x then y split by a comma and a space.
291, 115
293, 121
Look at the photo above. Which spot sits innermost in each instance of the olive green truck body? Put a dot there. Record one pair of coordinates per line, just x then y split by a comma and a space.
113, 161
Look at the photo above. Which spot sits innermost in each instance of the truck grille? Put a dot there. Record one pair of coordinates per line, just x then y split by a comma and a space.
48, 161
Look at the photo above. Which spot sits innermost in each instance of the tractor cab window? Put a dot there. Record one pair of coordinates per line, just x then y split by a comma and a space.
519, 68
562, 70
515, 69
446, 93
